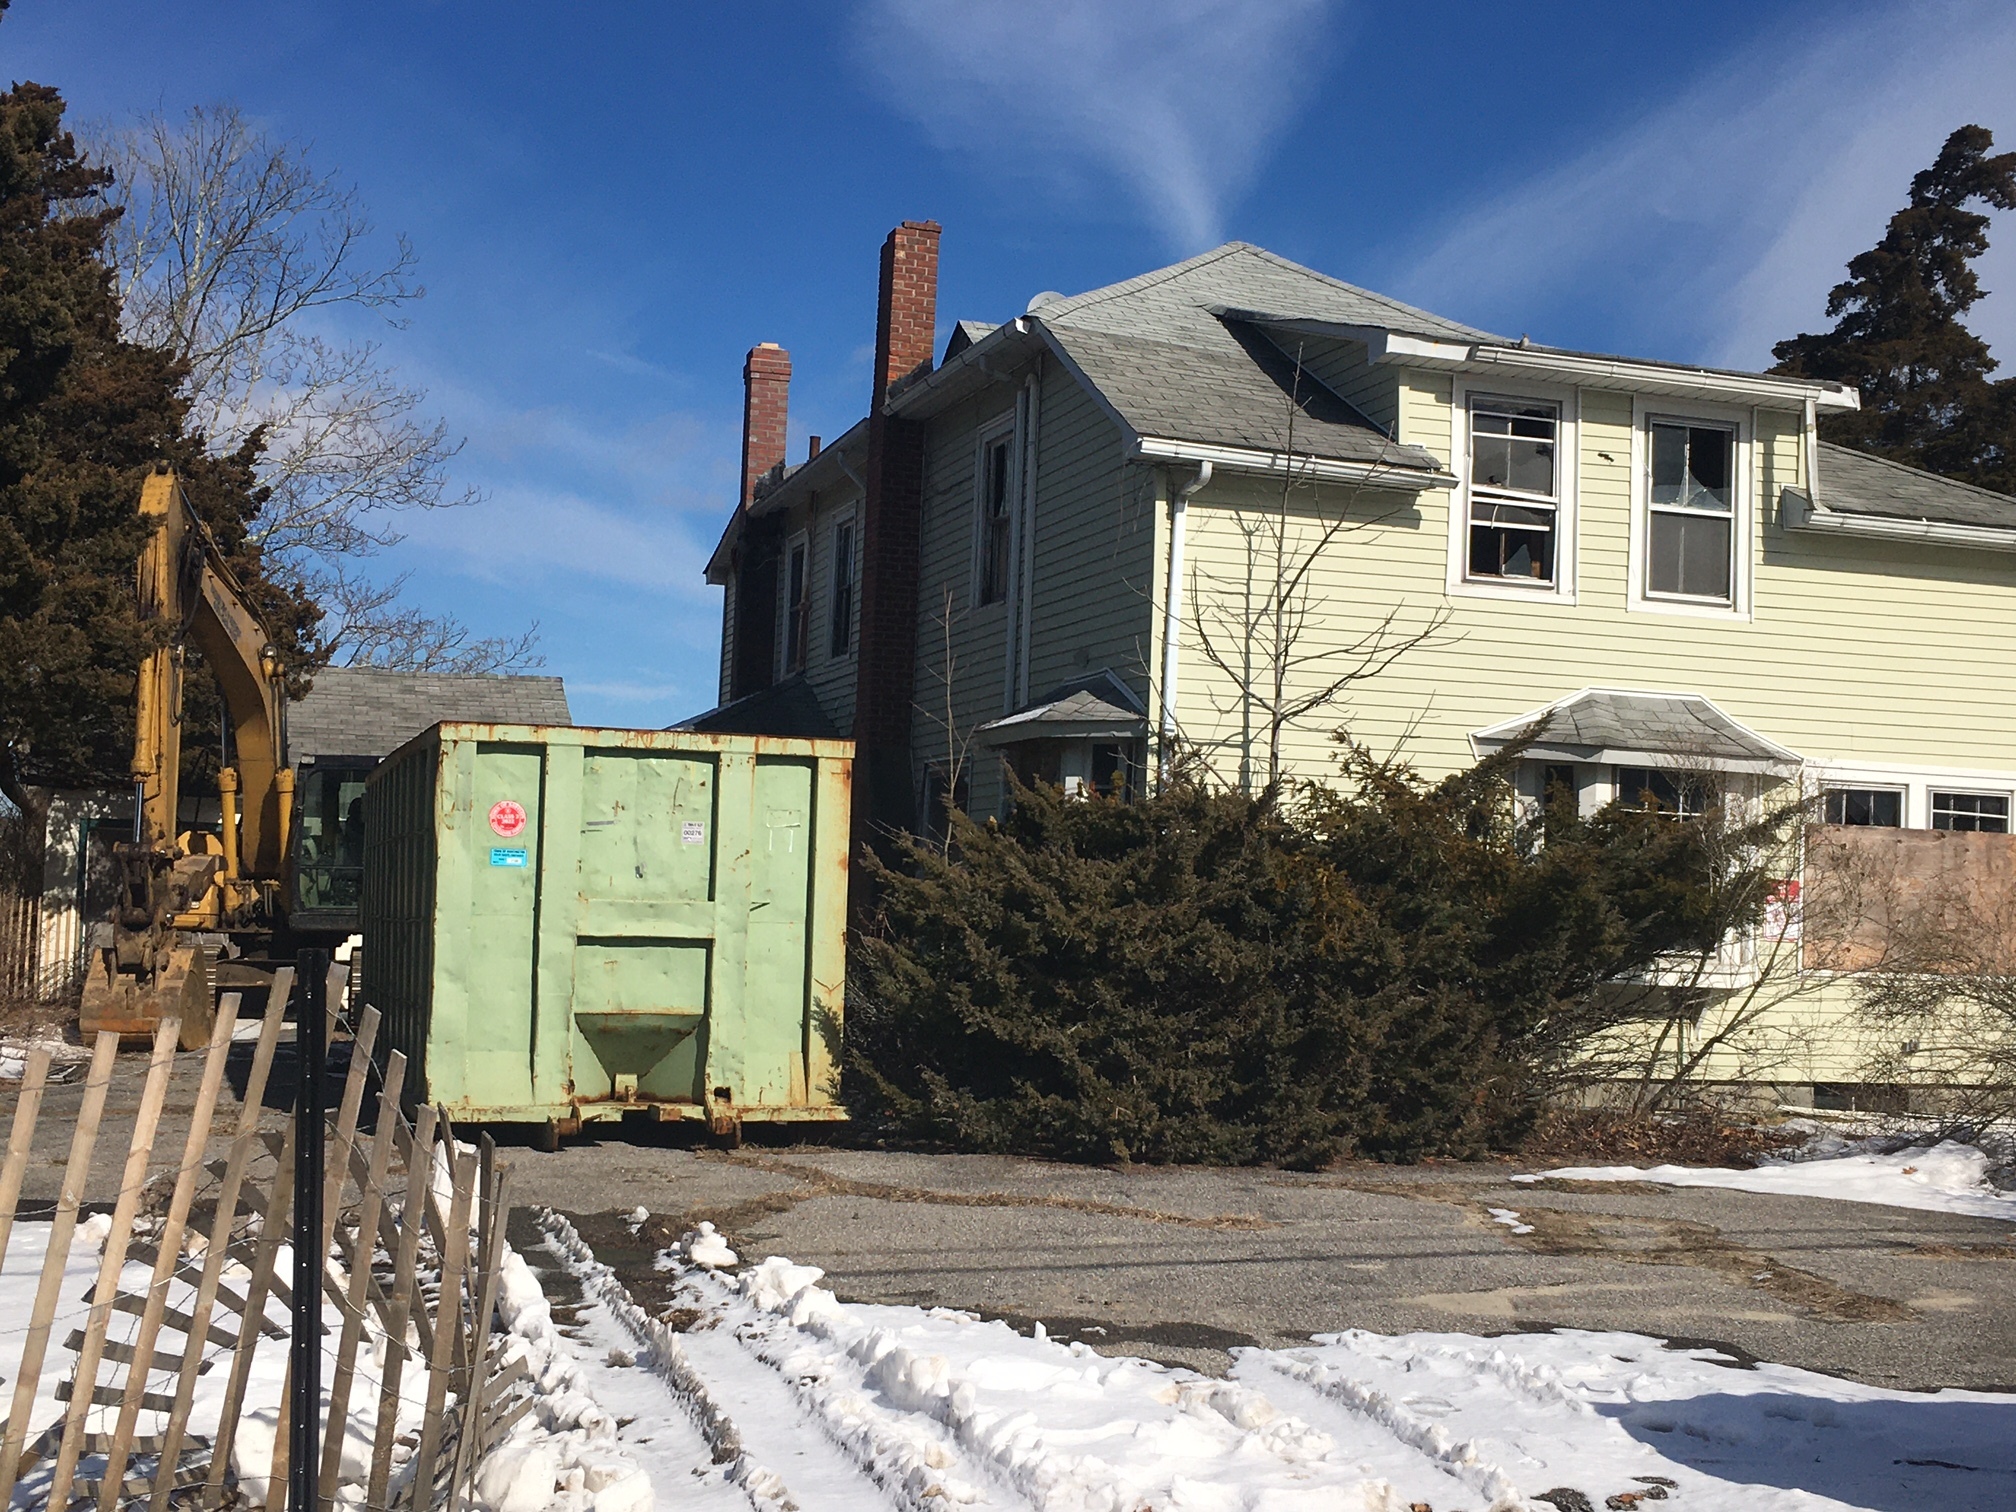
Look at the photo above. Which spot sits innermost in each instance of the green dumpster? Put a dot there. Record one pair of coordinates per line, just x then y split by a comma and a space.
564, 924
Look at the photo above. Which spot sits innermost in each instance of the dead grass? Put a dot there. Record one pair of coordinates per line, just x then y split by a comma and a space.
23, 1018
1605, 1136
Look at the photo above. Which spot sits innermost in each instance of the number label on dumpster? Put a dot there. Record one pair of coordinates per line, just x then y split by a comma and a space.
693, 832
506, 855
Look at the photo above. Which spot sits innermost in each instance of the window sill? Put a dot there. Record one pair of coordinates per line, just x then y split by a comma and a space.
1688, 608
1511, 590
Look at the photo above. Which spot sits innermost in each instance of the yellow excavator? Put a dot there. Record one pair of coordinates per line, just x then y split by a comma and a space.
183, 896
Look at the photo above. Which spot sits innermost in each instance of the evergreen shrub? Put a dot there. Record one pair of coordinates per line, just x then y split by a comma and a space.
1394, 968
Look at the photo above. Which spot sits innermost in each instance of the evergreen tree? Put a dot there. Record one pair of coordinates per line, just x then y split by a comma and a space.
84, 415
1927, 398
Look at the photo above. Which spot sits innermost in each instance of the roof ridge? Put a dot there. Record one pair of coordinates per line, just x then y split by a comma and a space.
1134, 285
1350, 288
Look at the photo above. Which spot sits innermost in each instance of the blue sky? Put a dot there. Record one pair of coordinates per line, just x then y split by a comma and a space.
611, 202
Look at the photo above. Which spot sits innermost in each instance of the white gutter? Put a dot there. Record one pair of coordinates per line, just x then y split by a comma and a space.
1295, 464
1804, 515
1622, 373
1172, 608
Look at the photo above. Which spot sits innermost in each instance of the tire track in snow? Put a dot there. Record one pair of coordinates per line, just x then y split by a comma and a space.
666, 1358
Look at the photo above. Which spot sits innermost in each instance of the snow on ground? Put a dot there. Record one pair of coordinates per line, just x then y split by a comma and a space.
562, 1455
777, 1397
783, 1395
1942, 1178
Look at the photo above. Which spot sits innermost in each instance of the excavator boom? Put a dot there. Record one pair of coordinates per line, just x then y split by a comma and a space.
175, 885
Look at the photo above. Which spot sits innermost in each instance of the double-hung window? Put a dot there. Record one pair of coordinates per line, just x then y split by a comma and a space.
994, 536
1515, 490
797, 608
840, 632
1691, 512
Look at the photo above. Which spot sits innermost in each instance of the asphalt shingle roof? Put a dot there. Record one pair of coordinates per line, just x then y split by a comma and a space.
1599, 724
1169, 301
789, 710
1853, 482
367, 711
1098, 703
1165, 354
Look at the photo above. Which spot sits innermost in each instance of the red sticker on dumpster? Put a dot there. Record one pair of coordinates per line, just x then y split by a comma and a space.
507, 818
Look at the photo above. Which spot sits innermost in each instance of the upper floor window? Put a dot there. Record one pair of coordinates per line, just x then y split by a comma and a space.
1515, 490
841, 632
1987, 812
1691, 512
993, 543
797, 607
1882, 808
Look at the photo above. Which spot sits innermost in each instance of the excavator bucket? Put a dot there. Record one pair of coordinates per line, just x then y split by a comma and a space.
133, 1006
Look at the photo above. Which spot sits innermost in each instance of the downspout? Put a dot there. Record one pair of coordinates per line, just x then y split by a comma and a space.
1172, 614
1025, 545
1813, 451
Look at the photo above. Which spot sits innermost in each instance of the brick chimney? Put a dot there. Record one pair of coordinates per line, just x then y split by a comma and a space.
766, 409
906, 318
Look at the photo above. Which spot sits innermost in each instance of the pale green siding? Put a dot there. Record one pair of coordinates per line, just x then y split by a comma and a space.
956, 636
1094, 547
831, 676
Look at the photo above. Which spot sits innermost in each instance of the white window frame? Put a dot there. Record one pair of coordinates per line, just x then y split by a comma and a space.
1646, 408
1917, 782
801, 541
1567, 534
1956, 790
1831, 785
847, 520
997, 432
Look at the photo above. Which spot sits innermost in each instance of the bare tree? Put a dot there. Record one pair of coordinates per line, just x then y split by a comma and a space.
958, 747
1271, 636
236, 255
1934, 971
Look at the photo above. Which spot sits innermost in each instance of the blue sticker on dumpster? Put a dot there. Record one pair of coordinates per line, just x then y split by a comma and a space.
505, 855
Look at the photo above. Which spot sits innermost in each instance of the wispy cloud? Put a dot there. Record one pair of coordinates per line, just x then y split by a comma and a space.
524, 533
1714, 225
1178, 99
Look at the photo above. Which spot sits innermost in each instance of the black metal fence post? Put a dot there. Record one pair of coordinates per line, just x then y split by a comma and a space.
304, 1460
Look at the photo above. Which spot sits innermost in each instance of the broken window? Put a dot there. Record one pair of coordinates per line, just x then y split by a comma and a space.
797, 610
1514, 489
1986, 812
994, 520
1683, 795
841, 636
1691, 515
1882, 808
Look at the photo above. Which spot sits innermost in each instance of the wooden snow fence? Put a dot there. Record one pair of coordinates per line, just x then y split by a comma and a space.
413, 1238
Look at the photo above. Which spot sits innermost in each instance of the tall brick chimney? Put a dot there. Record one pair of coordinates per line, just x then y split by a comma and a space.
766, 410
906, 319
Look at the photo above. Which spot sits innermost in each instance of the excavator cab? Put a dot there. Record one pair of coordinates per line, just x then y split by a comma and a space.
328, 861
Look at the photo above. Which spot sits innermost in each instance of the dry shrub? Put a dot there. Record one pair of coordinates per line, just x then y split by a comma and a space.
1611, 1136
